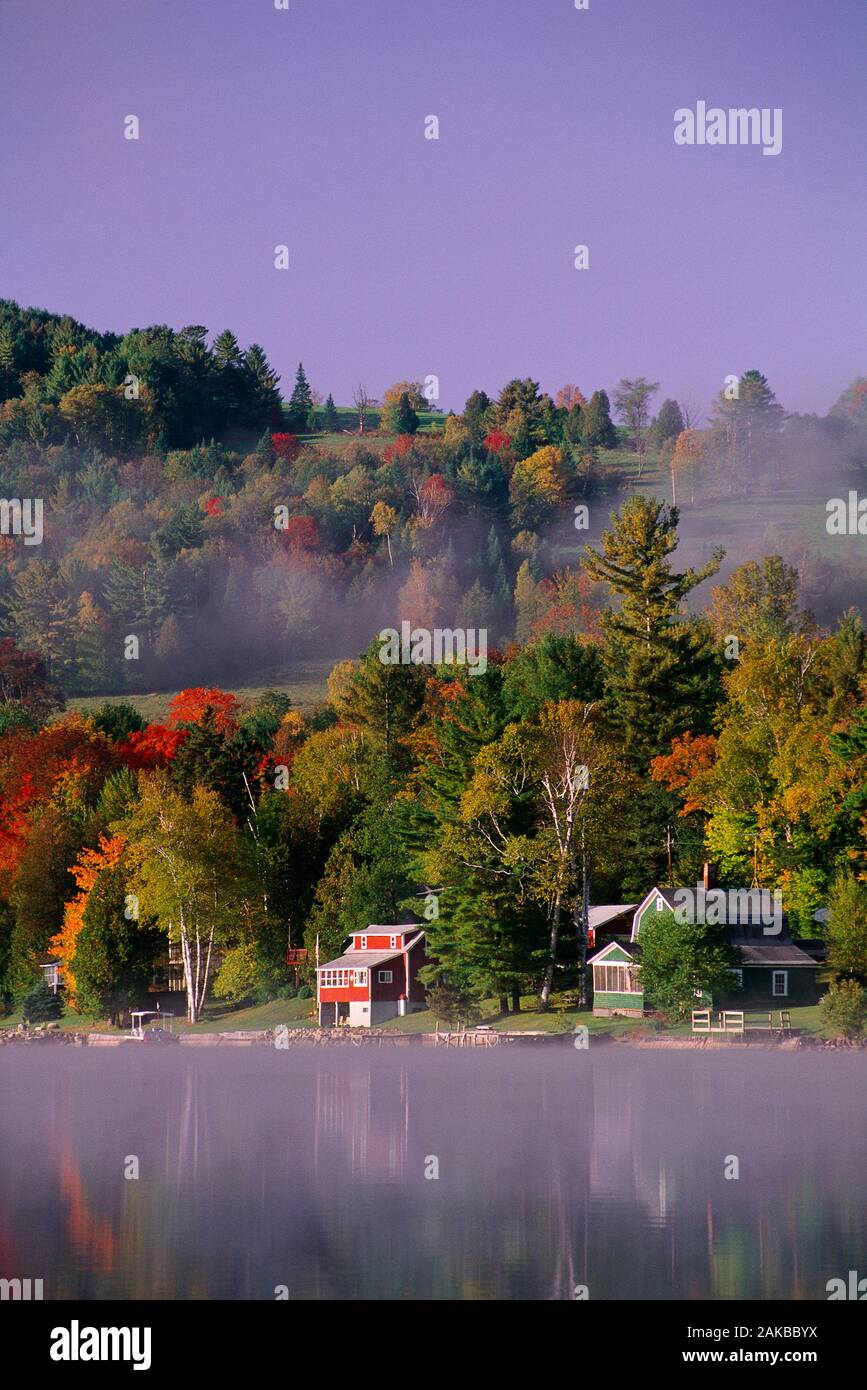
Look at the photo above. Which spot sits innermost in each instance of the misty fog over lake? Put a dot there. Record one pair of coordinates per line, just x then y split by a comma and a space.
557, 1168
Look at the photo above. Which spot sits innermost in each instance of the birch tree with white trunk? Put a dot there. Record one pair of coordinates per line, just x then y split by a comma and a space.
187, 866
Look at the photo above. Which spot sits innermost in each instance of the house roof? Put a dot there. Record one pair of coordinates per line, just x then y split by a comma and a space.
734, 907
356, 960
607, 912
777, 954
606, 950
405, 922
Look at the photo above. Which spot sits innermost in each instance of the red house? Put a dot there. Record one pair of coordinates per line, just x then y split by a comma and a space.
375, 979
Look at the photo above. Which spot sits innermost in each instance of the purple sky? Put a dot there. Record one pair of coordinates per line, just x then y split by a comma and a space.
454, 257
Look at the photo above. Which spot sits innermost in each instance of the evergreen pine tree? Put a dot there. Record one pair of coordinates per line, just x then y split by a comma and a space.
330, 420
385, 699
262, 399
300, 403
597, 429
668, 423
406, 418
662, 671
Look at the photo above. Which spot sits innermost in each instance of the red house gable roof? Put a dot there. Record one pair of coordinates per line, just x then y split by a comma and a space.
373, 953
378, 938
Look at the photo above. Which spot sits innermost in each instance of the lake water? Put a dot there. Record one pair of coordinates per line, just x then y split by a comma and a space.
557, 1168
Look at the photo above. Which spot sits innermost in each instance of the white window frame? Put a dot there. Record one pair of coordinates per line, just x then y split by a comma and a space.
336, 979
624, 981
385, 977
392, 940
362, 943
361, 978
779, 993
659, 904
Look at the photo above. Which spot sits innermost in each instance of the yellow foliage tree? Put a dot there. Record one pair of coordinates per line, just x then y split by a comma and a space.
537, 486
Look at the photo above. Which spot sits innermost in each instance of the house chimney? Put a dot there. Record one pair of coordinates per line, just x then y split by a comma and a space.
709, 876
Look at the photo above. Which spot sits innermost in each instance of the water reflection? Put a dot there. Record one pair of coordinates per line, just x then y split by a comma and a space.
556, 1169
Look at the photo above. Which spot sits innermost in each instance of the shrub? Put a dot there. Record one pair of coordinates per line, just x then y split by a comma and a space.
450, 1004
844, 1008
41, 1004
236, 978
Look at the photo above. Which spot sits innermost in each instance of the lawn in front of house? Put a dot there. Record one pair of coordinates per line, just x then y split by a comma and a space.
294, 1013
561, 1017
219, 1018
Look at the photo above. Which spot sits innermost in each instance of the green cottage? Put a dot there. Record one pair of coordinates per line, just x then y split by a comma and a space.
616, 988
775, 971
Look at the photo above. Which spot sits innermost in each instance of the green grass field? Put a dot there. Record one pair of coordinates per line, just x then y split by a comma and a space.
305, 684
301, 1013
430, 422
779, 521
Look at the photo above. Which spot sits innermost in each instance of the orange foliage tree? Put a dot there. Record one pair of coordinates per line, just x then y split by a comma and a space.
152, 747
85, 871
691, 755
32, 765
189, 706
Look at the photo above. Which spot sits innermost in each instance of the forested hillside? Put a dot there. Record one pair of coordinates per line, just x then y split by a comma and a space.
637, 713
185, 504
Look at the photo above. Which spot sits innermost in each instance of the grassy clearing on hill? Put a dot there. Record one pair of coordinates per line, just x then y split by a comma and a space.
305, 684
781, 521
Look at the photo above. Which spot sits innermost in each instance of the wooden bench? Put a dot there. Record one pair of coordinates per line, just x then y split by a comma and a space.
729, 1021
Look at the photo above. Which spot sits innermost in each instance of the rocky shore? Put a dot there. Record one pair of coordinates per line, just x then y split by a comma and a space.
284, 1038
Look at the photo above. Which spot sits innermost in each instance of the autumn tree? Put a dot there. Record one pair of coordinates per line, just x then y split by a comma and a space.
686, 462
433, 497
568, 397
400, 406
24, 681
192, 705
189, 873
114, 953
543, 813
759, 600
537, 488
384, 519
